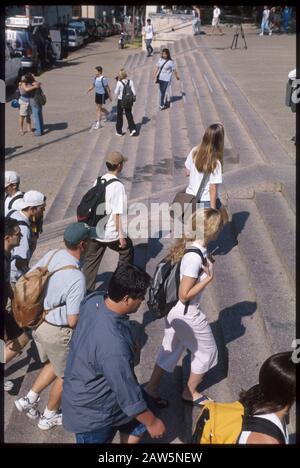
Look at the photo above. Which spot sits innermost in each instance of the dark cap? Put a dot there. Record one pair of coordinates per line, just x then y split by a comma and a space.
77, 232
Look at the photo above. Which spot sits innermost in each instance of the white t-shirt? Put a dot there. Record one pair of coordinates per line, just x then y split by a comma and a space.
14, 204
149, 31
24, 250
120, 87
265, 14
190, 266
64, 287
168, 68
115, 203
196, 178
216, 13
270, 417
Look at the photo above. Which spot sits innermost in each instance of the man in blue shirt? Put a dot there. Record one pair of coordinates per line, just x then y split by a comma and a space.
100, 84
101, 394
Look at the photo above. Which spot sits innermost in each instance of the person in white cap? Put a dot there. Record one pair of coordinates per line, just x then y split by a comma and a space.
30, 207
12, 191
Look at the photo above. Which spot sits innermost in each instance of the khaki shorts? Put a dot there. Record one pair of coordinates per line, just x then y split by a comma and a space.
25, 108
52, 343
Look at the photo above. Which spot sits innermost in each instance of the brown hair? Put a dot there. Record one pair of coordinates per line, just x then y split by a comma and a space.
205, 224
122, 74
211, 149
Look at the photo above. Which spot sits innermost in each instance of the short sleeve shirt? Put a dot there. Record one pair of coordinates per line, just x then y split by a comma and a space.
149, 31
65, 290
13, 205
100, 82
166, 72
115, 203
100, 387
191, 266
23, 251
196, 177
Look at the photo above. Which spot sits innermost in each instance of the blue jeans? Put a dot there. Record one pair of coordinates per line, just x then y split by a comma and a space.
38, 119
105, 435
265, 26
163, 85
149, 46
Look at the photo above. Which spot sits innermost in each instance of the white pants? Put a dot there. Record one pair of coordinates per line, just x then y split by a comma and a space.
190, 331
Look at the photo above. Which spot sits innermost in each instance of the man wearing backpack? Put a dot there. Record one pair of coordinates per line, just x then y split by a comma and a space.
12, 191
125, 93
30, 207
64, 292
112, 235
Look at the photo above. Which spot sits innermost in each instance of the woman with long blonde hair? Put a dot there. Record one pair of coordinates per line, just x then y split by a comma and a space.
186, 326
206, 160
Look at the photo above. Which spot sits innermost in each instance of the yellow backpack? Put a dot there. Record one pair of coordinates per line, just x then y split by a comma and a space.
219, 423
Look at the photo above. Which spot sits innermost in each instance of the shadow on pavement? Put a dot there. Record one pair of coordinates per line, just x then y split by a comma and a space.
57, 126
228, 237
11, 150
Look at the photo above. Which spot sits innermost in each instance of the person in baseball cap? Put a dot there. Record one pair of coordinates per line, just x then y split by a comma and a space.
115, 157
12, 191
32, 198
11, 177
77, 232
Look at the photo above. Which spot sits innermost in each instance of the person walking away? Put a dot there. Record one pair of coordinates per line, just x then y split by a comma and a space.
265, 21
32, 206
272, 22
165, 68
101, 394
271, 400
15, 337
24, 101
12, 191
216, 20
186, 326
64, 293
123, 82
196, 23
286, 15
112, 234
102, 93
205, 160
148, 32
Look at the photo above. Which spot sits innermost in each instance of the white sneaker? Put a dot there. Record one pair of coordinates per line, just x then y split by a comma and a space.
97, 125
8, 385
47, 423
133, 132
25, 406
261, 34
270, 33
119, 134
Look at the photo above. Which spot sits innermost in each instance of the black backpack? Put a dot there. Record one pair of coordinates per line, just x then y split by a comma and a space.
163, 291
87, 208
128, 98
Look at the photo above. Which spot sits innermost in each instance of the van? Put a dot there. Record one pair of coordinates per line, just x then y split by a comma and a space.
75, 39
13, 66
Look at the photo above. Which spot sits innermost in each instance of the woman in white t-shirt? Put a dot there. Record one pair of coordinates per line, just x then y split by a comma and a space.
270, 401
122, 82
165, 68
207, 158
186, 326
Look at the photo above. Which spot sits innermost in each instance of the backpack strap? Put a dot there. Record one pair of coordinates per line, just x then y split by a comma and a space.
108, 182
16, 197
20, 222
67, 267
263, 426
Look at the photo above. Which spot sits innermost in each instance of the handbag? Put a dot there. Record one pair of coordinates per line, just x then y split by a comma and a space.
186, 199
39, 97
106, 95
157, 77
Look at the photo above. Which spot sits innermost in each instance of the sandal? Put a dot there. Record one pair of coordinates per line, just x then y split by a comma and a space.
199, 402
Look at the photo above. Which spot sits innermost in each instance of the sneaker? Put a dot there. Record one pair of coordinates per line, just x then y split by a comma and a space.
8, 385
97, 125
261, 34
25, 406
270, 33
119, 134
133, 132
47, 423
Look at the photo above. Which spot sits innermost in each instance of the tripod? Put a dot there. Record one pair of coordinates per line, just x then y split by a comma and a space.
238, 30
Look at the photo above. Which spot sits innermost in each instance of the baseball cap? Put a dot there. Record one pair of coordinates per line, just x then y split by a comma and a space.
115, 158
11, 177
77, 232
31, 198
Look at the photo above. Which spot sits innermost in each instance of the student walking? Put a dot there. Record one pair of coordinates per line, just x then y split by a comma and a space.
102, 89
186, 326
12, 191
196, 23
271, 400
216, 20
101, 394
126, 96
165, 68
265, 21
148, 32
64, 293
112, 234
205, 160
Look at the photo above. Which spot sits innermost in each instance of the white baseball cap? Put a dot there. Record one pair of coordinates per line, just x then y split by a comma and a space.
31, 198
11, 177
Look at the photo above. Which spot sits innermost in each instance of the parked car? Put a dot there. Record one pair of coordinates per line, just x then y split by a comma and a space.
30, 36
13, 66
104, 29
100, 30
75, 39
91, 28
59, 38
81, 27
